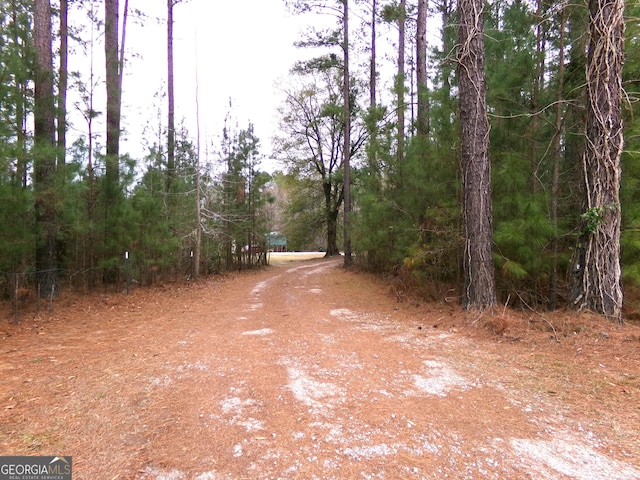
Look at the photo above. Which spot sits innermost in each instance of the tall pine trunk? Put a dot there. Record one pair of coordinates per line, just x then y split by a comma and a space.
400, 77
113, 96
557, 155
373, 60
538, 81
21, 79
346, 184
331, 214
112, 197
197, 250
479, 285
595, 280
91, 254
45, 152
421, 70
171, 129
62, 83
372, 123
111, 187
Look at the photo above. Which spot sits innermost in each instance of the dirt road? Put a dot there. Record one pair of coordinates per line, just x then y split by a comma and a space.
306, 371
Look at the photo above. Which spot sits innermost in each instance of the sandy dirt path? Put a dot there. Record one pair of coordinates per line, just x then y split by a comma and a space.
301, 371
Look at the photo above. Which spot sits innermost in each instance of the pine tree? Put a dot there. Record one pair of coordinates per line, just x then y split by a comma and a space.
595, 281
346, 149
630, 187
62, 83
421, 70
397, 13
113, 97
16, 103
45, 154
522, 225
479, 288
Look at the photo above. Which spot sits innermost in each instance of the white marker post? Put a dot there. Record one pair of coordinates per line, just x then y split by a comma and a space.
126, 271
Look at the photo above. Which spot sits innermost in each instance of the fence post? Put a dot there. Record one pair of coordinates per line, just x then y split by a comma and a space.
126, 271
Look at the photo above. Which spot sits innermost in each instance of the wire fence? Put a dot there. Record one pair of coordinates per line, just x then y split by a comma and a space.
23, 290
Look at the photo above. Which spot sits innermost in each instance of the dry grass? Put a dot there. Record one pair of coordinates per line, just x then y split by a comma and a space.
279, 258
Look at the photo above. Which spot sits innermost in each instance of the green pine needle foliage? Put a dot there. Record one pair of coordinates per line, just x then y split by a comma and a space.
522, 231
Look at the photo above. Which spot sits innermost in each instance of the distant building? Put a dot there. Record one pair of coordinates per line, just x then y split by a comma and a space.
276, 242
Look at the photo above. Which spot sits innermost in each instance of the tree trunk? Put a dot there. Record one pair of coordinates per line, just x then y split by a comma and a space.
198, 239
331, 212
44, 155
372, 62
535, 98
62, 83
557, 154
21, 85
446, 10
112, 190
400, 81
421, 70
595, 280
113, 95
346, 185
372, 122
171, 129
121, 59
92, 259
479, 284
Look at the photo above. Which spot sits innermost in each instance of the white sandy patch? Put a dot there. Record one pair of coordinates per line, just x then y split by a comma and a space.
342, 313
252, 425
572, 459
237, 450
229, 405
440, 379
208, 476
157, 474
328, 339
237, 409
354, 439
316, 291
156, 382
193, 366
312, 393
256, 306
366, 452
258, 288
263, 331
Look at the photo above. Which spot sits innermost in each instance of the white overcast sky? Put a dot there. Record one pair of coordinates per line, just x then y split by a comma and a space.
239, 49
